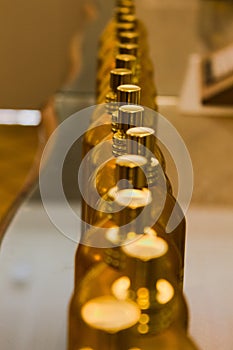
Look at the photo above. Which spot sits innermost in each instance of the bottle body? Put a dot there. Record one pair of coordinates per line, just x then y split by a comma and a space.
174, 231
146, 288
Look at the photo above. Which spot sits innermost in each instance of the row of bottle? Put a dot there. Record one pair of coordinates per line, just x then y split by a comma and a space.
107, 247
124, 44
128, 275
130, 261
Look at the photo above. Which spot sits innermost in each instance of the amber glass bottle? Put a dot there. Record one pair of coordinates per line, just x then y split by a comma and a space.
144, 72
124, 21
103, 171
163, 208
120, 61
117, 77
108, 50
101, 126
103, 176
106, 60
125, 94
134, 273
125, 28
102, 82
109, 30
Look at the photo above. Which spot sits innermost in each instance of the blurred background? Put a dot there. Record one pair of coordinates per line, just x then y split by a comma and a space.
36, 262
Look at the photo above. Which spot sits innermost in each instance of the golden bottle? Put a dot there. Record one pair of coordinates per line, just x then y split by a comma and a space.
109, 47
102, 79
125, 61
125, 94
124, 15
102, 85
101, 127
105, 64
109, 30
117, 77
109, 95
145, 65
135, 273
144, 72
163, 208
107, 56
128, 62
109, 33
103, 172
102, 75
124, 38
129, 49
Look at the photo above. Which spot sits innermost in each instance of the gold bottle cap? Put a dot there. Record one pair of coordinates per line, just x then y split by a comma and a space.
126, 61
123, 10
129, 93
125, 27
119, 76
131, 168
128, 49
128, 37
143, 140
129, 18
130, 116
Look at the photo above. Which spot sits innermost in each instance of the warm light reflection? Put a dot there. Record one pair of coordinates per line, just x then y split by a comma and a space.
112, 192
165, 291
147, 247
143, 328
134, 198
143, 293
144, 319
141, 131
131, 160
112, 235
109, 314
120, 288
131, 235
97, 257
143, 298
